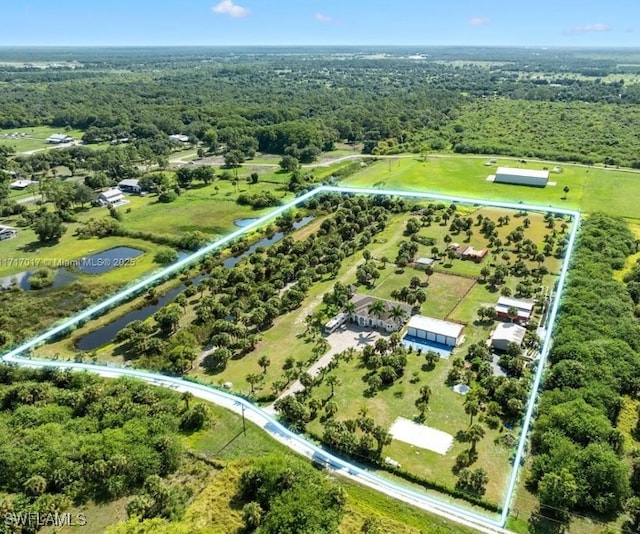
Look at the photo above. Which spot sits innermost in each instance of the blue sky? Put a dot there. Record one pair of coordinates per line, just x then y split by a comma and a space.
320, 22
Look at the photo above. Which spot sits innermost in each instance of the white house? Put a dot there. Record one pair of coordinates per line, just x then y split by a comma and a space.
508, 175
506, 333
436, 330
385, 319
57, 139
7, 232
130, 185
523, 307
112, 197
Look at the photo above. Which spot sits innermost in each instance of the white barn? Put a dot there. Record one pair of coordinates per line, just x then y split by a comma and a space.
523, 307
436, 330
112, 197
508, 175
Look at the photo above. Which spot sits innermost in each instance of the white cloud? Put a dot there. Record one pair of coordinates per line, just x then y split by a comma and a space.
325, 19
588, 28
227, 7
479, 21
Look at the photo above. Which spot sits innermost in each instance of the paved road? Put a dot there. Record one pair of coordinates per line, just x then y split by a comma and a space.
291, 440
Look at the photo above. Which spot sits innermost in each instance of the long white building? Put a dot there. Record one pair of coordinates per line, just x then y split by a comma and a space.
437, 330
508, 175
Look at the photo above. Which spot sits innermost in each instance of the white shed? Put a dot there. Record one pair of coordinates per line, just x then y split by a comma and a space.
508, 175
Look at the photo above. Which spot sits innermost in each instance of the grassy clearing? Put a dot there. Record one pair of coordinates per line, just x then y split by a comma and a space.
203, 208
591, 189
35, 137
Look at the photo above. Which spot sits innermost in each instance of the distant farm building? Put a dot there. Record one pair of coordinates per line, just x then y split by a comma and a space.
180, 138
506, 333
21, 184
435, 330
112, 197
423, 263
57, 139
523, 308
130, 185
470, 253
7, 232
508, 175
367, 313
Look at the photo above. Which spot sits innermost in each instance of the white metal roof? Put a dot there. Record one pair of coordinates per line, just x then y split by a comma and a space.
519, 304
522, 172
437, 326
509, 332
112, 193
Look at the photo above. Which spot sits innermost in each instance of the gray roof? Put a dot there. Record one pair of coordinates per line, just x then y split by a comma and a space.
509, 332
362, 303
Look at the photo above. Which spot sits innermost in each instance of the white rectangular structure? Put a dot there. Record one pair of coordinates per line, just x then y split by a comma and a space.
508, 175
436, 330
421, 436
112, 197
524, 308
7, 232
506, 333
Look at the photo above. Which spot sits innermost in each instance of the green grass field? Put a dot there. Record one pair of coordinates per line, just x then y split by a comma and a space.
34, 138
591, 189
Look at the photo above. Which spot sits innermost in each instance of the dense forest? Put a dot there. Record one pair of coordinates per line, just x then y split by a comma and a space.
581, 457
68, 439
281, 101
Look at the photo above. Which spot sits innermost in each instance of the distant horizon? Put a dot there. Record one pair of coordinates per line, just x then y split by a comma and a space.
329, 45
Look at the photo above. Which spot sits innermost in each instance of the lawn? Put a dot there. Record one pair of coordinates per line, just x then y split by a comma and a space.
35, 137
204, 209
445, 413
591, 188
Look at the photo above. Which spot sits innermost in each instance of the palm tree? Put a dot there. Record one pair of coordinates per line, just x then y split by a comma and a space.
377, 308
382, 436
566, 191
471, 407
264, 362
253, 379
332, 382
512, 313
349, 308
186, 397
331, 408
425, 393
474, 435
397, 313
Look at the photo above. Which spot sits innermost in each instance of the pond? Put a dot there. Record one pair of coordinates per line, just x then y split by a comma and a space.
102, 262
102, 336
244, 222
60, 278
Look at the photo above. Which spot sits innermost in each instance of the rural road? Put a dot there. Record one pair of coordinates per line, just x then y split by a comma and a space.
280, 433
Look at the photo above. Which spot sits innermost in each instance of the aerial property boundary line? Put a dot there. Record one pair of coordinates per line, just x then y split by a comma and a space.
268, 422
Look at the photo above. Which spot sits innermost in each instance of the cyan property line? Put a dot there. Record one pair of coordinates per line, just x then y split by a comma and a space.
16, 355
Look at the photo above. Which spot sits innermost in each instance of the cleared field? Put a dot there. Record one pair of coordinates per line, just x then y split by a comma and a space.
211, 209
33, 138
591, 188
